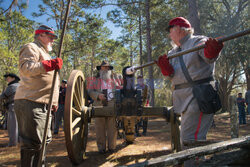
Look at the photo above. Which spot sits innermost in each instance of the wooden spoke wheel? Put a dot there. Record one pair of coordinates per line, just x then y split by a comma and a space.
76, 117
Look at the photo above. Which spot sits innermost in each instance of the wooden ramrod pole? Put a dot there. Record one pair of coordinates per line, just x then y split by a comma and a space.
222, 39
41, 157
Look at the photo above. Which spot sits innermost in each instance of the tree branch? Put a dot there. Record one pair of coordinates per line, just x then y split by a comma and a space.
9, 7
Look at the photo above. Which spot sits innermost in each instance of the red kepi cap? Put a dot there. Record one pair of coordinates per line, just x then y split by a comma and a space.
180, 21
47, 30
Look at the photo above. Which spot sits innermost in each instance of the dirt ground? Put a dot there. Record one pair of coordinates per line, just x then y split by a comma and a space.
156, 143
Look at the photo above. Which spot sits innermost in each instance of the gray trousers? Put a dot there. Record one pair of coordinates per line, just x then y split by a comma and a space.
31, 117
194, 127
12, 126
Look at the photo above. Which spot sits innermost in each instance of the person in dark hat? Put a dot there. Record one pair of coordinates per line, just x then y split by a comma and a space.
104, 64
241, 109
64, 81
195, 67
8, 94
59, 115
13, 76
36, 69
101, 91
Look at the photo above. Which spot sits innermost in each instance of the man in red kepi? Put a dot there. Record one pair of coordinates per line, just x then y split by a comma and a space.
196, 67
32, 96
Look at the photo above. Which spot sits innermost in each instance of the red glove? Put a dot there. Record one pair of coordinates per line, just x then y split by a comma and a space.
54, 108
212, 48
166, 67
54, 64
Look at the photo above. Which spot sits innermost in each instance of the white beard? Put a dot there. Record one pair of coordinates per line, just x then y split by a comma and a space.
105, 75
49, 47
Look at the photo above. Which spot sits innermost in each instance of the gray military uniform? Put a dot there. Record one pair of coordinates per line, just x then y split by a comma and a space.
194, 124
12, 126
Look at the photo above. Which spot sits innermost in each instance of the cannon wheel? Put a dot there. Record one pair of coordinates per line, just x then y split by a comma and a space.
76, 117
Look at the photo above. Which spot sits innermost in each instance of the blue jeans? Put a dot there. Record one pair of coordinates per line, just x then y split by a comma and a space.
242, 116
59, 115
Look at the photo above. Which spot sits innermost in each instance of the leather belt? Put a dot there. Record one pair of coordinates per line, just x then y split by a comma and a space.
197, 82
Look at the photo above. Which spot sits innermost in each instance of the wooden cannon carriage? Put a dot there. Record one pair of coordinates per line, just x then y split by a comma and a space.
128, 104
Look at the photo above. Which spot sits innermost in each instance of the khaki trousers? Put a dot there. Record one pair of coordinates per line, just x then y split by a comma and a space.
106, 132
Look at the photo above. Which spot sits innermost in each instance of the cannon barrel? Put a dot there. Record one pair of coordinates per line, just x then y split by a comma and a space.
220, 39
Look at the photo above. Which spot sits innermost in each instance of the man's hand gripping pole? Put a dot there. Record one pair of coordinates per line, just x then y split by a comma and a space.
132, 70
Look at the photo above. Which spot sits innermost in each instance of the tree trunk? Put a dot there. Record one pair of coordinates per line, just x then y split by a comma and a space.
193, 16
247, 74
140, 37
130, 44
74, 63
223, 92
149, 50
92, 62
233, 117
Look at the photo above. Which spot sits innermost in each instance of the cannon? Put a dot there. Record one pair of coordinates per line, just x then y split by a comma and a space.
128, 106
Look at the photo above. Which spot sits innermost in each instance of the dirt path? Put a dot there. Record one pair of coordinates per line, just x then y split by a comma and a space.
156, 143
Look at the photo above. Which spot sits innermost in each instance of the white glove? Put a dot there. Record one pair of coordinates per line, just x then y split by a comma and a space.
130, 71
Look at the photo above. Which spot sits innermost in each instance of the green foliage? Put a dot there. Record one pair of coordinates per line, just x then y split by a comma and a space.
87, 42
228, 17
15, 31
223, 18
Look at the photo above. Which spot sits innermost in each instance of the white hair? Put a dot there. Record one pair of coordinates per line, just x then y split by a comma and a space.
188, 30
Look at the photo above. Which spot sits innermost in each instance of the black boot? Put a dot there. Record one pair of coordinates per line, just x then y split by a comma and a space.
27, 157
36, 158
30, 158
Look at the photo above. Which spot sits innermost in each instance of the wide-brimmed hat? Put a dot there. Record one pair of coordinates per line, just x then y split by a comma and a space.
104, 63
178, 21
64, 81
12, 75
47, 30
